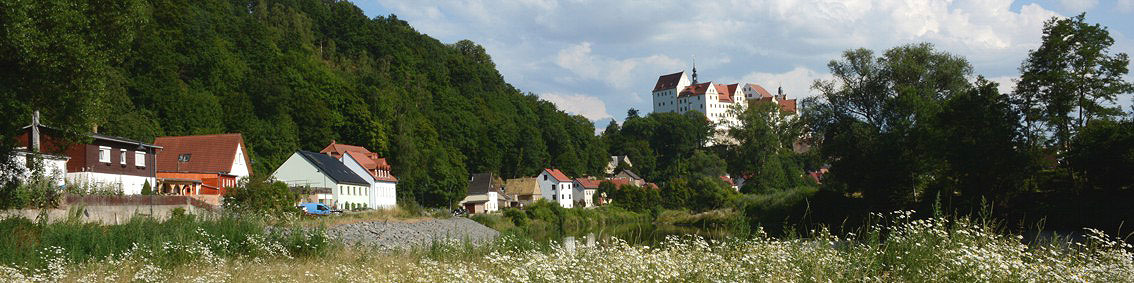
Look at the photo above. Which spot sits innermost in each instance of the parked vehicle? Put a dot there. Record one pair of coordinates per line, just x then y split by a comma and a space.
314, 208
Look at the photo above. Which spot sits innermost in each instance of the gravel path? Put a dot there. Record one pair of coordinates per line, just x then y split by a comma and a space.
401, 235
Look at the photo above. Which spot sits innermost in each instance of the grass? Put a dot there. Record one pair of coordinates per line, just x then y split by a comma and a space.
177, 241
894, 248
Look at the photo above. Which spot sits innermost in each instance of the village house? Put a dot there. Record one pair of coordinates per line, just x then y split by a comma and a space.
522, 191
201, 165
29, 162
631, 177
315, 170
615, 160
585, 191
485, 193
556, 187
370, 167
108, 162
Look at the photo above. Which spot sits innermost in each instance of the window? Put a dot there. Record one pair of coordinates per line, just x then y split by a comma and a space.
122, 156
545, 177
140, 158
104, 154
184, 157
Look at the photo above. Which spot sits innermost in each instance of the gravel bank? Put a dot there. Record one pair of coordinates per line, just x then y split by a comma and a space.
401, 235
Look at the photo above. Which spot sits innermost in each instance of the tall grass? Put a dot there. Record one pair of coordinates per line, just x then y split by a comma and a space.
895, 247
176, 241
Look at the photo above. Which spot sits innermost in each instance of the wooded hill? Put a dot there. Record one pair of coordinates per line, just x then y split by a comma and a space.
289, 75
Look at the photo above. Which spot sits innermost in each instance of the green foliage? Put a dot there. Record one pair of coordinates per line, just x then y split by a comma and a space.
875, 119
658, 142
224, 237
1070, 80
1103, 155
631, 197
288, 75
263, 196
146, 189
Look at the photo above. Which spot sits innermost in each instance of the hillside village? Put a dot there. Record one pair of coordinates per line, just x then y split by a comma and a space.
351, 177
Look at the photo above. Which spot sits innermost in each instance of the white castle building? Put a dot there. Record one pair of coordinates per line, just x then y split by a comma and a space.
678, 94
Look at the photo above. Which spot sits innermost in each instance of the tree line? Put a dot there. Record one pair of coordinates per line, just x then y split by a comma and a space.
288, 75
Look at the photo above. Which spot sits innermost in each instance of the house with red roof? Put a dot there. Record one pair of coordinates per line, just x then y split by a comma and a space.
585, 189
556, 187
202, 164
370, 167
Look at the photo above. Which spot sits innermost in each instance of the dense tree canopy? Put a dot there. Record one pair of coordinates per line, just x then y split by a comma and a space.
289, 75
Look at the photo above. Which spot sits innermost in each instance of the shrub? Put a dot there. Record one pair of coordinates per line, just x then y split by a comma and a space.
146, 189
259, 195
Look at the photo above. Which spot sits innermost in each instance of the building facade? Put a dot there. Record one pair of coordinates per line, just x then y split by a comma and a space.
556, 187
375, 170
201, 165
323, 172
107, 162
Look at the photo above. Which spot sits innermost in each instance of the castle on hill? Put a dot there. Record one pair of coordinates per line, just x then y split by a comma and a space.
678, 93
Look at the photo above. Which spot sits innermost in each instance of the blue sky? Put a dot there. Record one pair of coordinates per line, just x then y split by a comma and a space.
600, 58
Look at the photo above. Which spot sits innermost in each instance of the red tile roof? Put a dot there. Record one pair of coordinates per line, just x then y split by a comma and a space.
668, 81
760, 90
588, 183
369, 160
558, 175
728, 180
723, 92
207, 153
787, 105
694, 90
618, 182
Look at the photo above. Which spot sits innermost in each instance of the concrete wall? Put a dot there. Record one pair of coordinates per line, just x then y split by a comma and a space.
116, 209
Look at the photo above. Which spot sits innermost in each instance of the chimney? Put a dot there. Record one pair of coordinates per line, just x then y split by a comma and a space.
33, 145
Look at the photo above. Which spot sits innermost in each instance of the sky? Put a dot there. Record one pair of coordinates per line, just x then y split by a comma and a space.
600, 58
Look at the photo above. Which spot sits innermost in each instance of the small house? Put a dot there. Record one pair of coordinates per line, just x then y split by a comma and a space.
202, 164
106, 161
585, 191
315, 170
522, 191
485, 193
556, 187
372, 168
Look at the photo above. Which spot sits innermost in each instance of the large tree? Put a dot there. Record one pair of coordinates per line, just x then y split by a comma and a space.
1070, 80
875, 118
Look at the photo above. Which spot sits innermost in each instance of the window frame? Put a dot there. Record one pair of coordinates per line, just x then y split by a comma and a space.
122, 156
139, 158
104, 154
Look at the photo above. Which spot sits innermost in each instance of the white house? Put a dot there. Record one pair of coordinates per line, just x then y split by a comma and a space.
376, 169
310, 169
585, 191
556, 187
51, 167
485, 193
382, 192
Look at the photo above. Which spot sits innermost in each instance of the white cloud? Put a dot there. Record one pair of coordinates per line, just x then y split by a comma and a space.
1006, 83
796, 82
1076, 6
579, 59
589, 106
600, 52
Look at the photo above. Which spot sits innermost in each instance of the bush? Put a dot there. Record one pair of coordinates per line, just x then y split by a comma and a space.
146, 189
259, 195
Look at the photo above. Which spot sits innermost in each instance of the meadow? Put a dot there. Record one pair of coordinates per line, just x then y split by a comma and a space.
894, 248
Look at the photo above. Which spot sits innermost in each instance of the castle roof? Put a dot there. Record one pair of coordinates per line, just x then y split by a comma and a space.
669, 81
